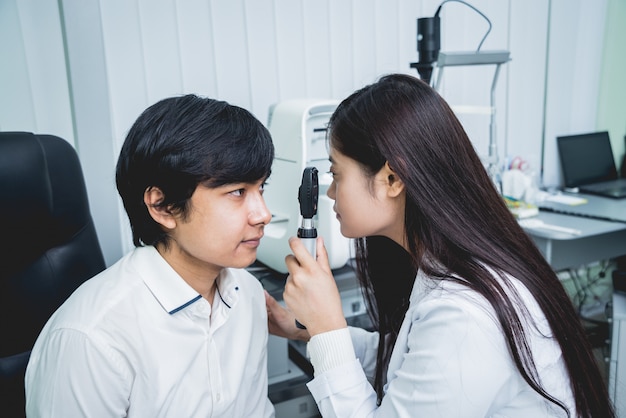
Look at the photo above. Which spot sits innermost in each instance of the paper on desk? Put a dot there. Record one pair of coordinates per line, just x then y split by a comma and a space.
566, 199
539, 224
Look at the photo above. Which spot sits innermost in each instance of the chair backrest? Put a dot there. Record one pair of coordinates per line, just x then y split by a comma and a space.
48, 248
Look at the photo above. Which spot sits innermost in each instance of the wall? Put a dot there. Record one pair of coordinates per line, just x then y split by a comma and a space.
611, 110
34, 93
576, 37
85, 69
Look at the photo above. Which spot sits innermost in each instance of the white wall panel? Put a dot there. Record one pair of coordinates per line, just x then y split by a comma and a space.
195, 37
341, 47
528, 25
262, 56
315, 27
45, 55
125, 64
34, 94
364, 42
290, 49
573, 71
159, 25
385, 30
231, 46
91, 106
124, 55
589, 39
14, 77
612, 101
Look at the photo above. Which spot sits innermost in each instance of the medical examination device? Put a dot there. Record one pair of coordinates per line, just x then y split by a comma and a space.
308, 195
298, 128
432, 61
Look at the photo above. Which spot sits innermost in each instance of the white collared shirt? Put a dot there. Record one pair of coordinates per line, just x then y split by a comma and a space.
138, 341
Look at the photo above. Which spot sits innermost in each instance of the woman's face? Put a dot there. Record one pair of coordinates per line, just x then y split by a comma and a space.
366, 206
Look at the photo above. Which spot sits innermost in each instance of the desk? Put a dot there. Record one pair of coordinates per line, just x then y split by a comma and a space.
599, 240
595, 207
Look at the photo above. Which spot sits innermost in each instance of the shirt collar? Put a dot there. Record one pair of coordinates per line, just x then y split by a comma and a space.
228, 286
170, 290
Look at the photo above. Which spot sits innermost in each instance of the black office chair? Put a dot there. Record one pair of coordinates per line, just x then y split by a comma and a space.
48, 247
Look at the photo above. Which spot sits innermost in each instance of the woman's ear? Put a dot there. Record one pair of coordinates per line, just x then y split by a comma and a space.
152, 197
395, 186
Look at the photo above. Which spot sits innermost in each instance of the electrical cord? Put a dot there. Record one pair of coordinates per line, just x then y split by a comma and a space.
473, 8
583, 290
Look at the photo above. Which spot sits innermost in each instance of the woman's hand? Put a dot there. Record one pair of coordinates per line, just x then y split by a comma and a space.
281, 322
310, 291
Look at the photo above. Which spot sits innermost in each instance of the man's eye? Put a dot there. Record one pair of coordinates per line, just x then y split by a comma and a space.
238, 192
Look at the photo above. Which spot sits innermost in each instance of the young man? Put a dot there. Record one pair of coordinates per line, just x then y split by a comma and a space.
176, 328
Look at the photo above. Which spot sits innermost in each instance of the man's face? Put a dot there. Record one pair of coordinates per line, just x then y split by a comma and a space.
223, 228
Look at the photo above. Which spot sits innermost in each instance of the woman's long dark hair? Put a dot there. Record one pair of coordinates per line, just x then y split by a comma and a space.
457, 226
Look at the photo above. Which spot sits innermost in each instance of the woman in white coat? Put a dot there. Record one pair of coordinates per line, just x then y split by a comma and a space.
470, 319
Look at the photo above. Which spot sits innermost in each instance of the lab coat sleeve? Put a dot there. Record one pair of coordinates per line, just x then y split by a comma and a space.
71, 376
453, 363
365, 347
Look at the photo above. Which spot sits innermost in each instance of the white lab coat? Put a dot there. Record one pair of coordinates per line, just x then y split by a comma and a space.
450, 360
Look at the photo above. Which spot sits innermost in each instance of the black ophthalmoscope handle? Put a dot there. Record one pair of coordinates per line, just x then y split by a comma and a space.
308, 194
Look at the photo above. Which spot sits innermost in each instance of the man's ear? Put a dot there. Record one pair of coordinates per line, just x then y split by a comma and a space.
152, 197
395, 186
